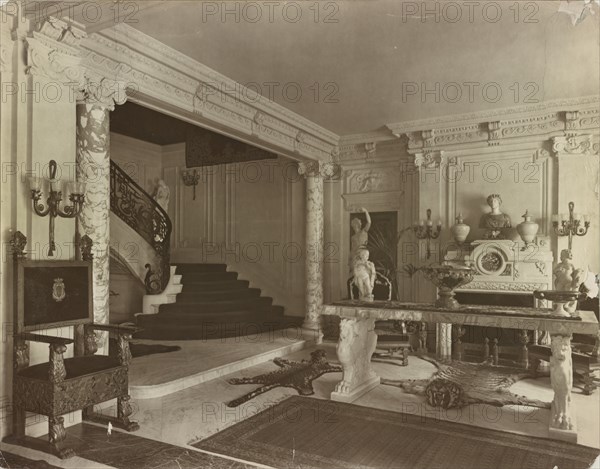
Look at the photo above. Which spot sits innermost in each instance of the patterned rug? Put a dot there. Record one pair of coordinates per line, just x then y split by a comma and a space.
311, 433
458, 383
296, 375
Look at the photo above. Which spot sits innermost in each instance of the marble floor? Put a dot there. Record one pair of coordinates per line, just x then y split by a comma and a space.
184, 417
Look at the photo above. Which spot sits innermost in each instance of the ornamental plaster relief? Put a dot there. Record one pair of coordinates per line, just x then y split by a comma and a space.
372, 180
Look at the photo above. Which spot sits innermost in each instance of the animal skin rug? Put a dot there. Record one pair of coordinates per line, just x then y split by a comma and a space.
480, 383
296, 375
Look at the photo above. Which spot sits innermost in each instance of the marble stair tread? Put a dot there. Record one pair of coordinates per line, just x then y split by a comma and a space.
208, 276
156, 375
218, 330
182, 268
191, 286
224, 316
198, 296
201, 307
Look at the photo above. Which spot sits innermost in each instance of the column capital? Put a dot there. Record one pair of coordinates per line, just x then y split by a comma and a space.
433, 159
317, 169
102, 91
572, 145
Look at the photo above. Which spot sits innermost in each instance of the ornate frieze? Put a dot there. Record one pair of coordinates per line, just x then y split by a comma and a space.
372, 180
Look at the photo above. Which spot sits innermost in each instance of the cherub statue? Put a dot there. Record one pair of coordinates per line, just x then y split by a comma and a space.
364, 275
567, 277
494, 221
360, 238
161, 194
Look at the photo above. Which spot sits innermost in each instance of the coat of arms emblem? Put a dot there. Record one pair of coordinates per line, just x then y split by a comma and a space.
58, 290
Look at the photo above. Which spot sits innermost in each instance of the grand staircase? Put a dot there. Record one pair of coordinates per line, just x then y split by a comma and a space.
213, 304
183, 301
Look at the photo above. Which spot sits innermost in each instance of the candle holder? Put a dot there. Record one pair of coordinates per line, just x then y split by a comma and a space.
191, 178
53, 202
572, 226
424, 230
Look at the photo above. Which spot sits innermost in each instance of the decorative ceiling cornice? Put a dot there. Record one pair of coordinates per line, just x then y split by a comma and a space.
509, 113
164, 73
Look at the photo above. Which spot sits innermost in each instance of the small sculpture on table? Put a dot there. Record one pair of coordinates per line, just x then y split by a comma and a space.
364, 274
360, 238
495, 221
567, 280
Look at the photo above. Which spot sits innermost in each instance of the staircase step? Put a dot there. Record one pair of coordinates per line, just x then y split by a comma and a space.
193, 287
211, 318
207, 331
192, 277
216, 295
202, 307
185, 268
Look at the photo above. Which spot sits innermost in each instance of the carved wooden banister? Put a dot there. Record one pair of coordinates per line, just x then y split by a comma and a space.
132, 204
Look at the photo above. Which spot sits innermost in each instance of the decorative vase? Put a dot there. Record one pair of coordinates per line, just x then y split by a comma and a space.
460, 231
527, 229
447, 278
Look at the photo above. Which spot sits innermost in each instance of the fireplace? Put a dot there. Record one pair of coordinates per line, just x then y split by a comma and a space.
506, 275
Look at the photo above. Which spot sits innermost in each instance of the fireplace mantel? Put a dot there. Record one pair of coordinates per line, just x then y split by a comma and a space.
505, 265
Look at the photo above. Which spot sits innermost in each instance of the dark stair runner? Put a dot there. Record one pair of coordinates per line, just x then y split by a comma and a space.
213, 304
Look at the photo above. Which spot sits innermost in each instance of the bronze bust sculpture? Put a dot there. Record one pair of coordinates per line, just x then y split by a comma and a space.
495, 221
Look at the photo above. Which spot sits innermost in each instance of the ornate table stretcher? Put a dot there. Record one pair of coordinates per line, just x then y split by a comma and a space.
358, 340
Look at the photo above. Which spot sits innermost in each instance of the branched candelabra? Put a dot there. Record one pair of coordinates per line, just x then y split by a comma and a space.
191, 178
571, 226
52, 207
424, 230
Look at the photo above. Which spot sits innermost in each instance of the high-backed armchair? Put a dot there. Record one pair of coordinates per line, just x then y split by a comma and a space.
56, 294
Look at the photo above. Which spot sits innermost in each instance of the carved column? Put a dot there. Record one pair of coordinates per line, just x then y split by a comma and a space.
562, 421
314, 172
93, 168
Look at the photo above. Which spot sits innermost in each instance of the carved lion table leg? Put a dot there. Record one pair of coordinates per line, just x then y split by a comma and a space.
124, 410
562, 421
354, 350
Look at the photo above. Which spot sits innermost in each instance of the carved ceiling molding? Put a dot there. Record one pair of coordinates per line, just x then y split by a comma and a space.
573, 145
157, 71
433, 159
53, 52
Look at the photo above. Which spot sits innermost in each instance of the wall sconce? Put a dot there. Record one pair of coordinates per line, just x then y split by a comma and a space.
76, 196
571, 226
424, 230
191, 178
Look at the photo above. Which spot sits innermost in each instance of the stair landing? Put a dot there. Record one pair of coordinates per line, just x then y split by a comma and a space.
199, 361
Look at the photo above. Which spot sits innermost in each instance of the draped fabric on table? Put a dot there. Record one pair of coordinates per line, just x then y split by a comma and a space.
206, 148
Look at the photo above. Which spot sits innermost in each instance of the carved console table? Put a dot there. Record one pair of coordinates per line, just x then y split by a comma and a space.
358, 339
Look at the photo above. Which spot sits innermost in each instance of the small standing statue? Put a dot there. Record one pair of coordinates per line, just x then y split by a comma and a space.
162, 194
568, 278
495, 221
360, 238
364, 275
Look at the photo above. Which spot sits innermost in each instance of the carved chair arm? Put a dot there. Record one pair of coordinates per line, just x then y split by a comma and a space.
47, 339
124, 334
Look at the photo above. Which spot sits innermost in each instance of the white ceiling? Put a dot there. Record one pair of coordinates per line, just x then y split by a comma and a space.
371, 51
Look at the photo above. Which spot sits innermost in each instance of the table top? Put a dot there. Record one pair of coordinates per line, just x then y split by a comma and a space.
542, 319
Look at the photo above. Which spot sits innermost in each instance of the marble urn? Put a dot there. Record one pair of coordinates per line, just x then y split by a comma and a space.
460, 230
447, 278
527, 229
564, 302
